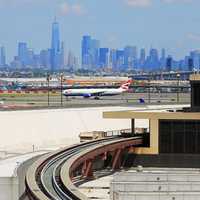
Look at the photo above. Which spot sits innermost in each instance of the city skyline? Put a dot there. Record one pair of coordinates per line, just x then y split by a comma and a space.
132, 58
96, 57
161, 23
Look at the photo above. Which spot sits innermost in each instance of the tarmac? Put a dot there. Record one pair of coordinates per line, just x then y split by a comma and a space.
40, 101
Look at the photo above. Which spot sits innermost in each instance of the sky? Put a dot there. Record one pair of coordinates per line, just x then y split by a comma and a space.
173, 24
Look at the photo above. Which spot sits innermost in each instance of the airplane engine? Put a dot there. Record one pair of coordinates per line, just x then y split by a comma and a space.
87, 95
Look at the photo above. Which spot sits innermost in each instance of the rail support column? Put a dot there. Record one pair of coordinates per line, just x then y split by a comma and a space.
104, 156
87, 168
116, 164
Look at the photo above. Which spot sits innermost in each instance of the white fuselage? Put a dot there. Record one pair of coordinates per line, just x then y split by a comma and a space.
93, 92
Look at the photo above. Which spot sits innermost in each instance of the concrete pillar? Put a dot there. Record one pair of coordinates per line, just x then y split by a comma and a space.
88, 171
154, 135
133, 126
116, 163
104, 156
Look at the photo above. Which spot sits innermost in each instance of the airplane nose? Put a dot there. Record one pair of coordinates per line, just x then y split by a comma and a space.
66, 91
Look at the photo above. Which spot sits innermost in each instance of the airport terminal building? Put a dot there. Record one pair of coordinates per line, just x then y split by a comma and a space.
174, 136
167, 165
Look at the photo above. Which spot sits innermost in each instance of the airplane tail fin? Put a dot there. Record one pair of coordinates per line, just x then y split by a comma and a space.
125, 86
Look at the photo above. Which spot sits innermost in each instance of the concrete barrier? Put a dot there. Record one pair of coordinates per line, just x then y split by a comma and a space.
170, 184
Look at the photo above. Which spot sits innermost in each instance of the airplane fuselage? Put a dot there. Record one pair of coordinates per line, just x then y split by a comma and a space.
93, 92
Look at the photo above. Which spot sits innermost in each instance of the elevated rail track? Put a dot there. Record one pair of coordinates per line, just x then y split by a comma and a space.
52, 177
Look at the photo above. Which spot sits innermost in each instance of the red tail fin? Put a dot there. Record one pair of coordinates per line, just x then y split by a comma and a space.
125, 86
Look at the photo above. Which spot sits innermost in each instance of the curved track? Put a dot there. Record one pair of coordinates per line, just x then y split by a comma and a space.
51, 176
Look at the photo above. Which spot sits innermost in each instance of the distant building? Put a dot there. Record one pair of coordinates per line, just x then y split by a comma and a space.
169, 63
190, 64
62, 55
95, 45
86, 52
30, 57
16, 63
23, 53
153, 60
2, 56
142, 59
103, 57
120, 59
195, 55
113, 59
163, 58
72, 61
90, 52
55, 47
130, 57
36, 60
45, 58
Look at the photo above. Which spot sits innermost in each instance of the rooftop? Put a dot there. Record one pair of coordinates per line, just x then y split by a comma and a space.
9, 166
195, 77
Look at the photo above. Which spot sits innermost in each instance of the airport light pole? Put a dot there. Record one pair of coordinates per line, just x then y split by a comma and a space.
48, 81
149, 88
61, 88
178, 84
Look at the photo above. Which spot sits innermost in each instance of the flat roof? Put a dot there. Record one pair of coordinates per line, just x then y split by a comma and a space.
195, 77
151, 115
9, 166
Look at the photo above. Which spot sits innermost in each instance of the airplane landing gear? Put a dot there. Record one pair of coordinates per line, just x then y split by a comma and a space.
97, 98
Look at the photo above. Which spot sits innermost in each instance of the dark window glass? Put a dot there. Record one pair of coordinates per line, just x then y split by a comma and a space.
190, 136
198, 137
179, 136
196, 94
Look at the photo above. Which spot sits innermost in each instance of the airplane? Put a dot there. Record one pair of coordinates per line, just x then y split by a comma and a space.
87, 93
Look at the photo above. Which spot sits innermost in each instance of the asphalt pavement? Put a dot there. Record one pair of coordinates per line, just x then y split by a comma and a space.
126, 99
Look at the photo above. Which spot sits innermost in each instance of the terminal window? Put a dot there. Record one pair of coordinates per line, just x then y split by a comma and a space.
196, 94
179, 136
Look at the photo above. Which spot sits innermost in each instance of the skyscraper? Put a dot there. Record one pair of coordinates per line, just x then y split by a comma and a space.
120, 59
142, 59
30, 57
2, 56
190, 64
169, 63
45, 57
195, 55
86, 51
163, 53
153, 60
130, 57
95, 45
103, 57
23, 53
163, 58
90, 52
71, 61
113, 59
62, 55
55, 47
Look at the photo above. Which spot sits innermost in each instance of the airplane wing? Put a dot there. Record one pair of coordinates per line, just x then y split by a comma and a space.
95, 93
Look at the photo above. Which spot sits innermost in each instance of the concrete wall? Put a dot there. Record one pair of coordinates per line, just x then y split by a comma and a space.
21, 173
13, 187
169, 185
153, 196
8, 188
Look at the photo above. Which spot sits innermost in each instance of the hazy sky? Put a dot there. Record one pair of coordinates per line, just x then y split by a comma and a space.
173, 24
